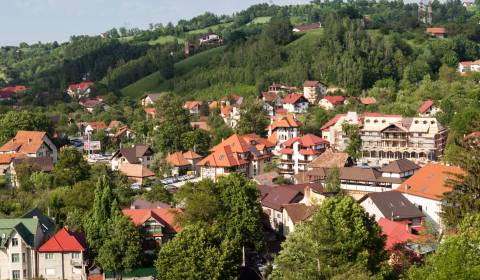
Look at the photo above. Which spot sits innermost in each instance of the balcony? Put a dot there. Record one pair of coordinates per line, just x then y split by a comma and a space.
285, 170
76, 262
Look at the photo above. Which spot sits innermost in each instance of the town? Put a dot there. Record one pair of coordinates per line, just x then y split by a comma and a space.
240, 153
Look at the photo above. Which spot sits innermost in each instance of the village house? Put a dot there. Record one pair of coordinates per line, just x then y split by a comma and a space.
144, 204
283, 129
231, 100
271, 102
428, 109
307, 27
20, 239
31, 144
397, 232
230, 115
293, 214
247, 154
438, 32
157, 225
367, 100
43, 164
313, 91
193, 107
149, 99
88, 128
137, 173
389, 137
468, 66
295, 103
63, 256
137, 154
210, 39
329, 102
425, 189
183, 162
80, 90
90, 104
393, 206
297, 152
150, 113
123, 134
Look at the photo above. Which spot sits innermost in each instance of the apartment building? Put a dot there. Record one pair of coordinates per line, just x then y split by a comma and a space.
298, 152
389, 137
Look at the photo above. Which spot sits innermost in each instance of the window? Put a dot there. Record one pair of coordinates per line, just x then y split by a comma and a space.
24, 273
23, 258
14, 242
49, 256
15, 258
15, 274
75, 255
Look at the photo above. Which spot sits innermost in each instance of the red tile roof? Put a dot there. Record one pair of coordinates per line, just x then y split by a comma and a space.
13, 89
64, 241
177, 159
286, 151
189, 155
436, 30
80, 86
425, 106
192, 104
285, 122
269, 96
332, 121
335, 99
293, 98
396, 232
222, 156
431, 181
165, 216
236, 142
306, 140
25, 142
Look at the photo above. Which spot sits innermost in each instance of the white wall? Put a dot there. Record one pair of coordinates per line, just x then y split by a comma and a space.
431, 208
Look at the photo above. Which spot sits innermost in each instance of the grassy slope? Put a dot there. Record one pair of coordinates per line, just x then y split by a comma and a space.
207, 29
154, 82
165, 39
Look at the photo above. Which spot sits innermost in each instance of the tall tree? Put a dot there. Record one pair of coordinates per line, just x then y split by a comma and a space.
354, 147
332, 182
340, 235
14, 121
71, 167
280, 30
252, 118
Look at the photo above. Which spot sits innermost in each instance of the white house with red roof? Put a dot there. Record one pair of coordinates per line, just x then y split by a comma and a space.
283, 129
428, 109
329, 102
79, 90
295, 103
193, 107
469, 66
157, 225
247, 154
63, 257
31, 144
298, 152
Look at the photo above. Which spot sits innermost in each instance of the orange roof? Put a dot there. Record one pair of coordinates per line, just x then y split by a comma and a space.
191, 155
222, 156
236, 143
335, 99
273, 138
213, 105
436, 30
165, 216
293, 98
431, 181
7, 158
259, 142
287, 121
192, 104
94, 125
368, 100
425, 106
177, 159
136, 171
28, 142
306, 140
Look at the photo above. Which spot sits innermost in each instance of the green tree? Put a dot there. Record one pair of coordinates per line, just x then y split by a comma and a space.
14, 121
196, 140
280, 30
354, 140
252, 118
457, 257
71, 167
121, 251
158, 193
332, 182
339, 236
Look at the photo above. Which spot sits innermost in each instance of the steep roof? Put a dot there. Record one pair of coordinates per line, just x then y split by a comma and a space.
394, 205
332, 121
278, 196
306, 140
287, 121
236, 143
132, 154
153, 96
65, 241
165, 216
400, 166
26, 227
136, 171
189, 155
298, 212
335, 99
177, 159
293, 98
311, 83
28, 142
396, 232
431, 181
222, 156
425, 106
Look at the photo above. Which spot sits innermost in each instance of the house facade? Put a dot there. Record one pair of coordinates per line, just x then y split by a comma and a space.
31, 144
149, 100
137, 154
468, 66
428, 109
295, 103
331, 101
313, 91
283, 129
63, 257
79, 90
298, 152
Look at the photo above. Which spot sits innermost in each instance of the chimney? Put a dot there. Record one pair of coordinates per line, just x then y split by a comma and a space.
307, 195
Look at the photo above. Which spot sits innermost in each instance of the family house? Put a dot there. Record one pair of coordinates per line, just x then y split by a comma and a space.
271, 102
149, 99
425, 189
247, 154
367, 100
157, 225
313, 91
88, 128
438, 32
428, 109
283, 129
273, 199
468, 66
183, 162
307, 27
90, 104
210, 39
396, 232
297, 152
295, 103
332, 130
230, 115
193, 107
63, 256
79, 90
137, 154
294, 214
329, 102
31, 144
138, 173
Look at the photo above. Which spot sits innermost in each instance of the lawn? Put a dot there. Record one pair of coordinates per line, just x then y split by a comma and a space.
308, 40
215, 92
166, 39
207, 29
149, 83
260, 20
197, 60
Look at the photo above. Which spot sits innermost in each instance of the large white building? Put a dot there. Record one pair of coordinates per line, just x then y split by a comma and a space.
283, 129
389, 137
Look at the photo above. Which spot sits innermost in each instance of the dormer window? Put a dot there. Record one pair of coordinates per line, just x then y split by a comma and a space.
424, 122
416, 122
432, 122
375, 121
384, 121
221, 157
367, 121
